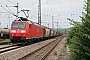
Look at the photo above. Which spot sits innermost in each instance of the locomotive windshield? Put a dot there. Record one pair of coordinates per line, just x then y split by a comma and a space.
19, 25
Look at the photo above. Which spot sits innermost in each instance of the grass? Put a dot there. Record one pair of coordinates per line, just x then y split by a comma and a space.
4, 40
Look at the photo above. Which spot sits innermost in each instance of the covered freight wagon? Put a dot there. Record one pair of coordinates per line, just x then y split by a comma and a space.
46, 31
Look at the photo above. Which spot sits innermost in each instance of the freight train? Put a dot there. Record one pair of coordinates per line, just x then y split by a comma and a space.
25, 31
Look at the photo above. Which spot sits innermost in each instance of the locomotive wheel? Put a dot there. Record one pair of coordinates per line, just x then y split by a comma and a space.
28, 42
12, 41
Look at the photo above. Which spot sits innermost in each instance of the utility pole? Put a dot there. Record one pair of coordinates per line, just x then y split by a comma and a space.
9, 19
17, 11
52, 22
48, 24
57, 25
39, 12
59, 29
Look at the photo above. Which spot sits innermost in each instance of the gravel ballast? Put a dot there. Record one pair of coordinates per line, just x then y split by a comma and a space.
23, 51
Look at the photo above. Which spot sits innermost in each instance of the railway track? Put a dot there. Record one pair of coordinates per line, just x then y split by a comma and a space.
41, 53
8, 48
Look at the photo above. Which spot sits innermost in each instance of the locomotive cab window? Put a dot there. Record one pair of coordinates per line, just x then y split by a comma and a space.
19, 25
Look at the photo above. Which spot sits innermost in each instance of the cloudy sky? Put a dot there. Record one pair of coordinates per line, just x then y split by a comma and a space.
60, 9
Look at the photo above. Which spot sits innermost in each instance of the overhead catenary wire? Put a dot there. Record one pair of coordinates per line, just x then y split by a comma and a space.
34, 8
35, 2
32, 5
21, 7
79, 8
49, 6
11, 2
9, 11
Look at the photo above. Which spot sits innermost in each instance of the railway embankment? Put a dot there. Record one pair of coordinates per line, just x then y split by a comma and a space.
60, 52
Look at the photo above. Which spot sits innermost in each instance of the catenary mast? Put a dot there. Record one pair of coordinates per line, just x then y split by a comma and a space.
39, 12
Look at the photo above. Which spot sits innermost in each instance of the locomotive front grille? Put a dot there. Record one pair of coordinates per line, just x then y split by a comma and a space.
18, 39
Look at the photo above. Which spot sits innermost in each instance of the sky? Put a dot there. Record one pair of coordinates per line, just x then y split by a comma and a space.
59, 9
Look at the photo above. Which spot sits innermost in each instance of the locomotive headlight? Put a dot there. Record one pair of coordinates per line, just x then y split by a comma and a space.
12, 34
23, 31
13, 31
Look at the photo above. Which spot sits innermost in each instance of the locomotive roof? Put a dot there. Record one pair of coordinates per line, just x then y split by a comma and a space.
26, 20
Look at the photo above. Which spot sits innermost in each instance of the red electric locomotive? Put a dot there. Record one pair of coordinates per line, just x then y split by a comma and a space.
25, 31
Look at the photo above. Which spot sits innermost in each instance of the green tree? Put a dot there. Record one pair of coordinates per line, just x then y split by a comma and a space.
79, 36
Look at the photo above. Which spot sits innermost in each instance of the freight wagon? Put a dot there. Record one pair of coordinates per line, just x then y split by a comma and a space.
4, 33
